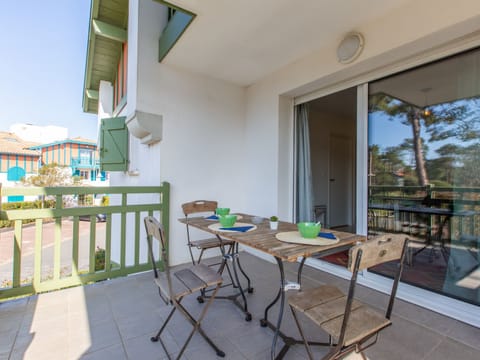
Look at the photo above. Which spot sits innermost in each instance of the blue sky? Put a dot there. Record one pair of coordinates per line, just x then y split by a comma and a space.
43, 51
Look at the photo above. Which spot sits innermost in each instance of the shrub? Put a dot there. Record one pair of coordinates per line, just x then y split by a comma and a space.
85, 199
99, 259
105, 200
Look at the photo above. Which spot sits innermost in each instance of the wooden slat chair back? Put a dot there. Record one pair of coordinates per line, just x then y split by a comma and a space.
376, 251
351, 324
198, 207
173, 286
155, 231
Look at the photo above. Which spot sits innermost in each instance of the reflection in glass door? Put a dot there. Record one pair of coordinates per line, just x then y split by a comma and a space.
424, 172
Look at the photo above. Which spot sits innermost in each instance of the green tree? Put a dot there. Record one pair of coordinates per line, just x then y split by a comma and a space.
468, 174
454, 120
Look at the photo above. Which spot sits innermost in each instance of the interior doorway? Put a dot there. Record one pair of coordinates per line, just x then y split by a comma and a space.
332, 135
340, 182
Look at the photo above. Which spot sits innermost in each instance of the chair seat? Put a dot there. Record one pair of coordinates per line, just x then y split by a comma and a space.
325, 306
209, 243
189, 280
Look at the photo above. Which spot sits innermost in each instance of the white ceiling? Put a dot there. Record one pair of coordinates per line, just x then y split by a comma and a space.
243, 41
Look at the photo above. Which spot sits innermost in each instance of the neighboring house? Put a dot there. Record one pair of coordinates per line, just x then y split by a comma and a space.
79, 154
211, 95
17, 161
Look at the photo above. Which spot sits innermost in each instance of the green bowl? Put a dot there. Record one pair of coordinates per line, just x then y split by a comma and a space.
227, 220
309, 230
222, 211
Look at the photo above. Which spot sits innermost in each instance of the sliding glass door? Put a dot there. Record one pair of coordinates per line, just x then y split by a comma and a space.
424, 172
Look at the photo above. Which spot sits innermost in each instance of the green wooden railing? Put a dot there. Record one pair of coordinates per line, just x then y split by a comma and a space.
131, 202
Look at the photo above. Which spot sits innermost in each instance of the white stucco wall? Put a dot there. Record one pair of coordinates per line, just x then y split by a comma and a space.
203, 134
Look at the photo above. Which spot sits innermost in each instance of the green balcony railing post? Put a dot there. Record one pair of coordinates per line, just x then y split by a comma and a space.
92, 244
75, 239
123, 234
137, 238
108, 243
17, 253
37, 275
57, 249
165, 199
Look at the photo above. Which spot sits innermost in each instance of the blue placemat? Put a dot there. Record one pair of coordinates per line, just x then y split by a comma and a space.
212, 217
327, 235
237, 228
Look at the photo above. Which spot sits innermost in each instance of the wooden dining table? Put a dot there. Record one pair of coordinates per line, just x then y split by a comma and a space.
262, 238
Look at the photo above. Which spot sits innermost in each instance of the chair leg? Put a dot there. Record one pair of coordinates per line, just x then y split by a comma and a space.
191, 253
300, 330
197, 324
225, 265
331, 355
200, 256
156, 337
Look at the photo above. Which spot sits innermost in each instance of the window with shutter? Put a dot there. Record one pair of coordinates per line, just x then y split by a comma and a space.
114, 144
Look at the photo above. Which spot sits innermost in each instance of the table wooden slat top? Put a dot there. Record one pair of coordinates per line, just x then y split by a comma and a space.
263, 238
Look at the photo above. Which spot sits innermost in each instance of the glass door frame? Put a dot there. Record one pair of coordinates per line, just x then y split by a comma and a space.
439, 303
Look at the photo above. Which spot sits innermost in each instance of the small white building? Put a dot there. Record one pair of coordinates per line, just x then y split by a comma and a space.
39, 134
212, 92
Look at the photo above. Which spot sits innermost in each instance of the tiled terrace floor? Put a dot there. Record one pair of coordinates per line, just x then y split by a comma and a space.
115, 319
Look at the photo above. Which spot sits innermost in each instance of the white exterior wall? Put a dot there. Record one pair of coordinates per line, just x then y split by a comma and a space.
200, 153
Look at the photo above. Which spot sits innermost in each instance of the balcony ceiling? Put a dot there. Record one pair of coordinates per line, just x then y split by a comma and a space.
243, 41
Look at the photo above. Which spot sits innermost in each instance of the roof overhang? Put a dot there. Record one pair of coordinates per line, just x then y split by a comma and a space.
107, 31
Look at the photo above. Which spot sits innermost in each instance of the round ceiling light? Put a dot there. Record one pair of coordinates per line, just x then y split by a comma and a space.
350, 47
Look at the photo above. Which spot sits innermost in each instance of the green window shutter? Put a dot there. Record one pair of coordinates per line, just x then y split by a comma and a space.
114, 144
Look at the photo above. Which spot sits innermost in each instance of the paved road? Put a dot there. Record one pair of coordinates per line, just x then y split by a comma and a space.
28, 243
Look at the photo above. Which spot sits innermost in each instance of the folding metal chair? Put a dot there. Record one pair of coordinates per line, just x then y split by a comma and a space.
196, 207
225, 246
353, 325
173, 287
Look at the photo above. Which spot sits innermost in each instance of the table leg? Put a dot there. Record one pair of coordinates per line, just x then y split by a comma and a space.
299, 273
280, 314
249, 287
264, 321
233, 256
224, 264
236, 264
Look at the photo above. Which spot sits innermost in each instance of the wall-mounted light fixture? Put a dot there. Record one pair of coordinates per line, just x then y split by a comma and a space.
350, 47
